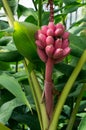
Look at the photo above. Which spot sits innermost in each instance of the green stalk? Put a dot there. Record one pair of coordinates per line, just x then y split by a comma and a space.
37, 94
65, 92
34, 5
45, 120
73, 115
8, 12
33, 92
16, 68
40, 13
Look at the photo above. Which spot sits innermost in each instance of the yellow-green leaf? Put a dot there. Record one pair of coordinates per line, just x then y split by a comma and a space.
2, 127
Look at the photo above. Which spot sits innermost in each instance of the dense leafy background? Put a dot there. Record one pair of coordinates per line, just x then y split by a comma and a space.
14, 86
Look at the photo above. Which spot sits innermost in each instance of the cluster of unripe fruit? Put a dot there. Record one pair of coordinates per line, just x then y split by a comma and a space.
52, 42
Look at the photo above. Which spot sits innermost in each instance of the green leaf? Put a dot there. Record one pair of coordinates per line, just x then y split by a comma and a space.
82, 125
6, 111
24, 38
58, 18
77, 44
2, 127
20, 75
11, 56
71, 1
27, 12
45, 17
82, 114
9, 53
4, 40
31, 19
6, 32
77, 28
4, 65
74, 26
72, 7
12, 85
3, 24
27, 118
81, 108
13, 5
66, 70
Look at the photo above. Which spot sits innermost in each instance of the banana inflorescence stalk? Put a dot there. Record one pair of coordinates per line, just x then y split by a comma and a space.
52, 47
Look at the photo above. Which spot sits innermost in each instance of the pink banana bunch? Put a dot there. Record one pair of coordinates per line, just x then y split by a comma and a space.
52, 42
52, 47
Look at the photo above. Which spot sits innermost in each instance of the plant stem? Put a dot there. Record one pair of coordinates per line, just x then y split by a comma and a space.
16, 68
40, 13
8, 12
36, 92
49, 69
51, 11
33, 92
73, 115
65, 92
48, 87
34, 5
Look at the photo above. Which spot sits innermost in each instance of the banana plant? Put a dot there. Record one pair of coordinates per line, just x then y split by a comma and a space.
49, 43
35, 87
